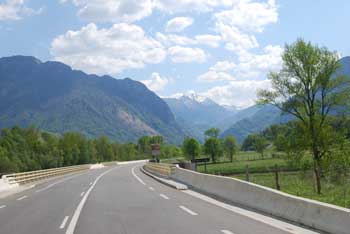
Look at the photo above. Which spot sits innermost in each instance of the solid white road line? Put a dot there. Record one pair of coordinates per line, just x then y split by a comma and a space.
188, 210
290, 228
3, 206
74, 220
226, 232
151, 188
163, 196
63, 224
21, 198
138, 178
82, 194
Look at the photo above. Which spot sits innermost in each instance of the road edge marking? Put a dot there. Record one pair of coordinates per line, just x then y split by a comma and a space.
270, 221
138, 178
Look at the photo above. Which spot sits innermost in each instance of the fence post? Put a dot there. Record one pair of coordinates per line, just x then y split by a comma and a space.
247, 173
278, 186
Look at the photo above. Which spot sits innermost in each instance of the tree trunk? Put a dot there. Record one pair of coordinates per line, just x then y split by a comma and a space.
317, 172
231, 157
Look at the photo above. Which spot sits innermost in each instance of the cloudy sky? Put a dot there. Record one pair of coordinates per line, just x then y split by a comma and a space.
221, 49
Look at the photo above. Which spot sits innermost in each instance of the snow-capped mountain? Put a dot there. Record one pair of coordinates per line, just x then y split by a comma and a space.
197, 113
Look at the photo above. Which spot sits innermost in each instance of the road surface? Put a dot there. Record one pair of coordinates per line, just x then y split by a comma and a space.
123, 200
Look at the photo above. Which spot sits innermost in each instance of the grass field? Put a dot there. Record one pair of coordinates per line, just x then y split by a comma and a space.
301, 184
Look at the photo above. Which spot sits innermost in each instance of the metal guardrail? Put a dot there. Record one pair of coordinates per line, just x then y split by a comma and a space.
160, 168
27, 177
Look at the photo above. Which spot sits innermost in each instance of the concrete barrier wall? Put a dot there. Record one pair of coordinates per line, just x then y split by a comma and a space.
318, 215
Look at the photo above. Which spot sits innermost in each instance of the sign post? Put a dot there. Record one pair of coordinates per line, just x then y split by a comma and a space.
155, 151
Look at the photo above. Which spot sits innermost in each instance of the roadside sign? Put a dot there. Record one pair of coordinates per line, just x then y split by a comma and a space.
155, 149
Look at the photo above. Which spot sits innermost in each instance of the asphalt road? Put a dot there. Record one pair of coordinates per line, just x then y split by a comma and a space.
123, 200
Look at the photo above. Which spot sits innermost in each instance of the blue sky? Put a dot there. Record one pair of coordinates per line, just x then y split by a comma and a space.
221, 49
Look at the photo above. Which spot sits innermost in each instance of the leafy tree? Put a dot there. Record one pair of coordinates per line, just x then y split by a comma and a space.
191, 148
144, 144
260, 144
248, 143
212, 132
157, 140
213, 148
309, 88
230, 146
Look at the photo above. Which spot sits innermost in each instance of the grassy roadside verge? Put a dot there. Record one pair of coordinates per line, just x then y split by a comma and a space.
301, 184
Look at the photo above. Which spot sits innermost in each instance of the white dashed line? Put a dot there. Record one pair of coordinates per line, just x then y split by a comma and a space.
82, 194
3, 206
64, 222
188, 210
226, 232
138, 178
91, 183
21, 198
75, 217
163, 196
252, 215
151, 188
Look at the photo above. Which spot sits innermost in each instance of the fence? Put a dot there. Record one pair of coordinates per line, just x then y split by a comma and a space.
28, 177
161, 169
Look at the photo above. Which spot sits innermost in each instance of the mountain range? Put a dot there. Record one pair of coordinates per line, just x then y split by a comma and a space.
198, 114
55, 98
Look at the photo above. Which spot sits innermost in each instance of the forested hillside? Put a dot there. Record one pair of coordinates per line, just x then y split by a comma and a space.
57, 99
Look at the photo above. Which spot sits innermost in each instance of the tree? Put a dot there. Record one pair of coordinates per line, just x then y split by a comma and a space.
212, 132
191, 148
144, 144
248, 143
230, 146
308, 88
213, 148
157, 140
260, 144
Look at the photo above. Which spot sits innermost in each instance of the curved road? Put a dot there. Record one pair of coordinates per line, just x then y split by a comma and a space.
123, 200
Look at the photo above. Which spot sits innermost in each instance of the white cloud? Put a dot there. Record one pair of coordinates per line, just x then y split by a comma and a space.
209, 40
107, 50
214, 76
179, 54
156, 82
249, 16
173, 39
239, 93
178, 24
176, 6
224, 66
258, 65
218, 72
133, 10
113, 10
16, 10
235, 39
250, 66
